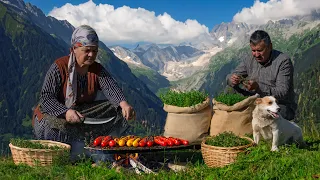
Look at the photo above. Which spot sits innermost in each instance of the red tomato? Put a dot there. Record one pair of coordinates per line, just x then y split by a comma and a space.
185, 142
149, 143
156, 140
170, 143
142, 143
177, 142
163, 143
97, 141
112, 143
105, 141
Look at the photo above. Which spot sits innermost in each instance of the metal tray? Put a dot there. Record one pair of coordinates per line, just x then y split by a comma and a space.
126, 149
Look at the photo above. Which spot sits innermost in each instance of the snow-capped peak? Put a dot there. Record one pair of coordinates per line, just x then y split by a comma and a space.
221, 39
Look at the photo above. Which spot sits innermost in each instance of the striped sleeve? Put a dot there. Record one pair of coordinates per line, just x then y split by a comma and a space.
110, 87
49, 94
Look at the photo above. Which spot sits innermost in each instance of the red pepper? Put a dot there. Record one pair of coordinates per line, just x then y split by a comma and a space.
105, 141
169, 141
143, 142
184, 142
160, 140
156, 140
112, 143
176, 141
98, 140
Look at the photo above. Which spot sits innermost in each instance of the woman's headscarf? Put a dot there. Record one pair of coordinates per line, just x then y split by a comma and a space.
83, 35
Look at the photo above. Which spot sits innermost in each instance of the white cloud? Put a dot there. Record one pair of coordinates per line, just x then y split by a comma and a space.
129, 25
261, 12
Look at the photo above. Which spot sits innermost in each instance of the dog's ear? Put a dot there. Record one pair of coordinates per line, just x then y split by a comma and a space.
258, 101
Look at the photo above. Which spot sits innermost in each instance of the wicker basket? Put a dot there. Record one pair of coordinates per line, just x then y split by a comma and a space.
40, 157
215, 156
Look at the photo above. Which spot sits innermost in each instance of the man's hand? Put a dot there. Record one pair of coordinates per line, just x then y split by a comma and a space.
127, 111
251, 85
234, 79
73, 116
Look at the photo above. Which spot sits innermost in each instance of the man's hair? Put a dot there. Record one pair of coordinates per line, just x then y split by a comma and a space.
259, 36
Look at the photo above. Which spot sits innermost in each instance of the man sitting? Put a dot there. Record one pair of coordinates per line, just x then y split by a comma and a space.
268, 72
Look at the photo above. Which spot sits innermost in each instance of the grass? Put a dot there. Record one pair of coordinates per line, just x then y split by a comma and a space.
257, 163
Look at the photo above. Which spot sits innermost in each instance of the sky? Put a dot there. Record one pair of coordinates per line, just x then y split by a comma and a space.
207, 12
167, 21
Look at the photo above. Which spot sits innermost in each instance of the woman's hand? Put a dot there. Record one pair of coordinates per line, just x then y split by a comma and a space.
73, 116
127, 111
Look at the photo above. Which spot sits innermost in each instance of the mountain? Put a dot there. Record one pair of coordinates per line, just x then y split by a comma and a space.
150, 77
127, 56
229, 33
156, 57
172, 62
27, 51
202, 42
154, 81
35, 15
307, 79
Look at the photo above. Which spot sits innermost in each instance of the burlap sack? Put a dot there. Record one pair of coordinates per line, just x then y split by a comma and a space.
189, 123
236, 118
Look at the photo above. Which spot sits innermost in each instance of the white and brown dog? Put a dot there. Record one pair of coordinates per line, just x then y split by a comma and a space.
268, 123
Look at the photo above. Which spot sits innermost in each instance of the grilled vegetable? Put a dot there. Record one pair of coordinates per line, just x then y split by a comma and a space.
143, 142
112, 143
159, 140
105, 141
130, 141
176, 141
150, 141
184, 142
121, 142
136, 142
98, 140
169, 141
126, 138
116, 140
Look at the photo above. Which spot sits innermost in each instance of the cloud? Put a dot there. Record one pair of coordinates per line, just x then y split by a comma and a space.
261, 12
129, 25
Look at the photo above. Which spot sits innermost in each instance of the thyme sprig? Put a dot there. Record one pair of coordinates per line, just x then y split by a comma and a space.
229, 99
23, 143
183, 99
227, 139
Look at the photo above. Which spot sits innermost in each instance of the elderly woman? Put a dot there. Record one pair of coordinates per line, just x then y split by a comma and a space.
72, 91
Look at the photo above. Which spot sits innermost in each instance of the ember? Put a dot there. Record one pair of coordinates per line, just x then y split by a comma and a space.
147, 160
138, 163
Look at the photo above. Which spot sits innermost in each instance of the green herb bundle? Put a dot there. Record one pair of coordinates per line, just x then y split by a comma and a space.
183, 99
229, 99
22, 143
227, 139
